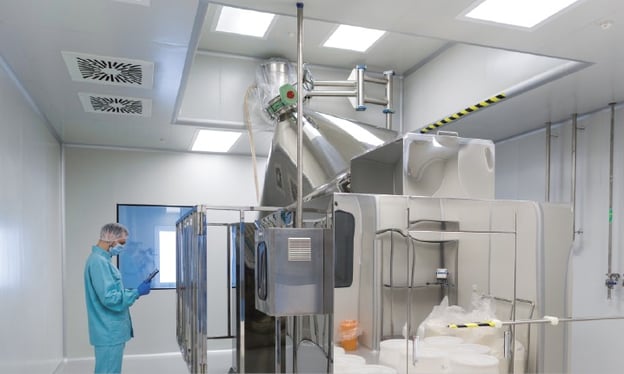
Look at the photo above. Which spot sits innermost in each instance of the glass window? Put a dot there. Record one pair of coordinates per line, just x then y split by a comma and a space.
151, 243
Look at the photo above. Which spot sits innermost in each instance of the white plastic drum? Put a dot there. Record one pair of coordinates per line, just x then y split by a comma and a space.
442, 341
469, 348
393, 352
338, 351
371, 369
519, 357
347, 363
473, 364
429, 360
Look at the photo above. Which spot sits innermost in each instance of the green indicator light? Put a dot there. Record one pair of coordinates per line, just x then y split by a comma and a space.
610, 215
288, 94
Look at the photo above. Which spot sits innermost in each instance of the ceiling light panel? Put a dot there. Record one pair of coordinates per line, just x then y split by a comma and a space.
214, 140
244, 22
109, 70
353, 38
136, 2
520, 13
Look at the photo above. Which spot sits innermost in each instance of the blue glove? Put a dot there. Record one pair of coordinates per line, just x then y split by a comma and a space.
144, 288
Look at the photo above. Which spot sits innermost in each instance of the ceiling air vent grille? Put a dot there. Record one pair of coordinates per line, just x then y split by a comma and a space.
109, 70
129, 106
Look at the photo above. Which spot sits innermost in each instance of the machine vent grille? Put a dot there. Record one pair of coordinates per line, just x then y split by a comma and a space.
109, 70
130, 106
300, 249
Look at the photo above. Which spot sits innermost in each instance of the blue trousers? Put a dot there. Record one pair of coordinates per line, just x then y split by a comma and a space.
108, 358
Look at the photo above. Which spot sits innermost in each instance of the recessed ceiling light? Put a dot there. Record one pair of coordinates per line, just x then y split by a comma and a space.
353, 38
137, 2
244, 22
521, 13
214, 140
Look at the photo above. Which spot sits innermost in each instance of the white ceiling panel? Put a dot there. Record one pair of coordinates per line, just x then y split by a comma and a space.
33, 34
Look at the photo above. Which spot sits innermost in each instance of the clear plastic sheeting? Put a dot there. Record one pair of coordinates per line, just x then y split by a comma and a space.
270, 76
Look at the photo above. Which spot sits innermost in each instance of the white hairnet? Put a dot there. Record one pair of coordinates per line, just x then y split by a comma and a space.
113, 231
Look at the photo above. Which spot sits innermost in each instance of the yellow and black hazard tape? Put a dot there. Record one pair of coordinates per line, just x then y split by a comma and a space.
472, 324
461, 113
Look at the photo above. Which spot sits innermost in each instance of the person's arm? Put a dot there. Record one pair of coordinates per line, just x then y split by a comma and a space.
109, 288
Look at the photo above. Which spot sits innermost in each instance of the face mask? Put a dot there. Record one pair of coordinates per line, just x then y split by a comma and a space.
116, 250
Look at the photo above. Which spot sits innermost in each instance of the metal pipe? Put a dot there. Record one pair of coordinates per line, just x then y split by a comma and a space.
548, 155
389, 111
375, 80
391, 288
299, 209
241, 287
360, 88
515, 295
352, 93
374, 100
573, 172
335, 83
567, 319
611, 153
278, 345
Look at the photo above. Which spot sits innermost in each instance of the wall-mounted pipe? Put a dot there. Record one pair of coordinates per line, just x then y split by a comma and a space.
548, 155
573, 174
610, 243
389, 111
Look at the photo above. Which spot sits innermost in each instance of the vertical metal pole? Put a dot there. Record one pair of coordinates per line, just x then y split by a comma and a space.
241, 291
515, 296
391, 288
360, 105
611, 153
278, 344
573, 187
548, 154
389, 110
299, 213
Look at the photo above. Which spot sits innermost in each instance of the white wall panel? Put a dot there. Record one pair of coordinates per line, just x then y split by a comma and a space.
519, 169
593, 345
31, 293
97, 180
462, 76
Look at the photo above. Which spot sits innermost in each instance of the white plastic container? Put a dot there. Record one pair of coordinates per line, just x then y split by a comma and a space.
442, 341
520, 354
338, 351
372, 369
469, 348
392, 352
429, 360
473, 364
347, 363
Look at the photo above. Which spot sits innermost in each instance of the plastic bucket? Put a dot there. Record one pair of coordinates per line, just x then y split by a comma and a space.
348, 334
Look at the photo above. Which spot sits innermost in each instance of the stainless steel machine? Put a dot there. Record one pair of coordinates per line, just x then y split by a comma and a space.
390, 226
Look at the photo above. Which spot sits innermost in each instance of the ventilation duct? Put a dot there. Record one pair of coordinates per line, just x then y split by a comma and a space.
120, 105
109, 70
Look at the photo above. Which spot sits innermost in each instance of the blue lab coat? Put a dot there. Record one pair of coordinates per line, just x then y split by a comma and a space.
108, 302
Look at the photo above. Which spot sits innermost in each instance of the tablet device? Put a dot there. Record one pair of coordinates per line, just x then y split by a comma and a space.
151, 275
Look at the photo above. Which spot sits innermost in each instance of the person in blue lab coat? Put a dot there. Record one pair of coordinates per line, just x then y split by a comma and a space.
108, 302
